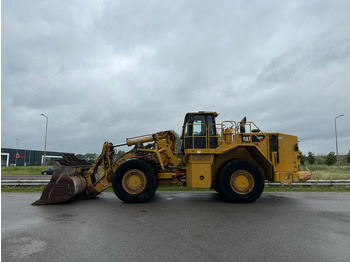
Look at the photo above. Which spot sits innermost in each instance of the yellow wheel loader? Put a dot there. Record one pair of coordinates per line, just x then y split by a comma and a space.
233, 158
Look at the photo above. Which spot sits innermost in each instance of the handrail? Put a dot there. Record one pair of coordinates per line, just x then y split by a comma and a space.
196, 136
255, 134
234, 126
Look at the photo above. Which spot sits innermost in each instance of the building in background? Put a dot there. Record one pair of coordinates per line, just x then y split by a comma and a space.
27, 157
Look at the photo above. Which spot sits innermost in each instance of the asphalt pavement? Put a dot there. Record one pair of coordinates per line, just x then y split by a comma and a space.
191, 226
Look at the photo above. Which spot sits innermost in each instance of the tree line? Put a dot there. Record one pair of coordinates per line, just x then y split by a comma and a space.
329, 159
91, 157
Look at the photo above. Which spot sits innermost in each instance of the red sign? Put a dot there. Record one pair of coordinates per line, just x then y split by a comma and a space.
18, 156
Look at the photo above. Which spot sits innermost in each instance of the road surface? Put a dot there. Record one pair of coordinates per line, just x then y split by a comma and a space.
191, 226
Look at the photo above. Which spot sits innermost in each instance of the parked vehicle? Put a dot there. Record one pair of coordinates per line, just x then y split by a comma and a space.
49, 171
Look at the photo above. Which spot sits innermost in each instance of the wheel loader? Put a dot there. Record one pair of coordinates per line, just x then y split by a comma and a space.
233, 158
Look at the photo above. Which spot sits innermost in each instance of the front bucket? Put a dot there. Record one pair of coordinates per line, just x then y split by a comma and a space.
66, 183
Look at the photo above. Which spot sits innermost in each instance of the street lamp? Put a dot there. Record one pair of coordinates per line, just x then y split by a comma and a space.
16, 153
336, 140
47, 121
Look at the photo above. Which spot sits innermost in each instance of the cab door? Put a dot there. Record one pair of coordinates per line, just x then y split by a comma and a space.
199, 131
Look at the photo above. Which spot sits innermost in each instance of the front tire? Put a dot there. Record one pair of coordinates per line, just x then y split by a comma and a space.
134, 181
241, 181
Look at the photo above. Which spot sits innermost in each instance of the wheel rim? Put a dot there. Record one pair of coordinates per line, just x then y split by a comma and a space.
242, 182
134, 181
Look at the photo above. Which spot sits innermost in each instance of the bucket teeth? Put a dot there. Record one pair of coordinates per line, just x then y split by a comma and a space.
72, 160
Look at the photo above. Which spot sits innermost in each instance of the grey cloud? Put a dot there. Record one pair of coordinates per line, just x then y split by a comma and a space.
106, 70
325, 51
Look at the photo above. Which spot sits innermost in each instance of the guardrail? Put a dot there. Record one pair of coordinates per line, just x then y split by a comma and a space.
313, 183
22, 182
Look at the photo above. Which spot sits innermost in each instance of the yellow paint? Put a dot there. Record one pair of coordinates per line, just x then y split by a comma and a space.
134, 181
242, 182
275, 154
198, 171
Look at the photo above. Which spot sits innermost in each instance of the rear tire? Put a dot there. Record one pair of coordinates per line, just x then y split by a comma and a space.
241, 181
134, 181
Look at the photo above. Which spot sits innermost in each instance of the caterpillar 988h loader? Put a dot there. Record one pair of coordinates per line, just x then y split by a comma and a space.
233, 158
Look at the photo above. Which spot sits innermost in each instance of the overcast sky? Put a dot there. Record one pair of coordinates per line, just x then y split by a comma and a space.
107, 70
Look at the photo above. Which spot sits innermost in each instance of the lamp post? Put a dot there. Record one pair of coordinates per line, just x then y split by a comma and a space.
16, 153
336, 140
30, 149
47, 121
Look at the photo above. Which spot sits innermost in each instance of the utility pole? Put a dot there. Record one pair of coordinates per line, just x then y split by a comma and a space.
16, 153
336, 139
30, 151
47, 120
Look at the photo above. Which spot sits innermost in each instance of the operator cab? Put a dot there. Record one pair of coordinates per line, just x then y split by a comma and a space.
199, 131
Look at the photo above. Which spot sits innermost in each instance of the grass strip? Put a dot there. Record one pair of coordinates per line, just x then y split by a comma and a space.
23, 170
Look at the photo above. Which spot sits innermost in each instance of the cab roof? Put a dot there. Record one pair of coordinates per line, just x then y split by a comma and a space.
203, 113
